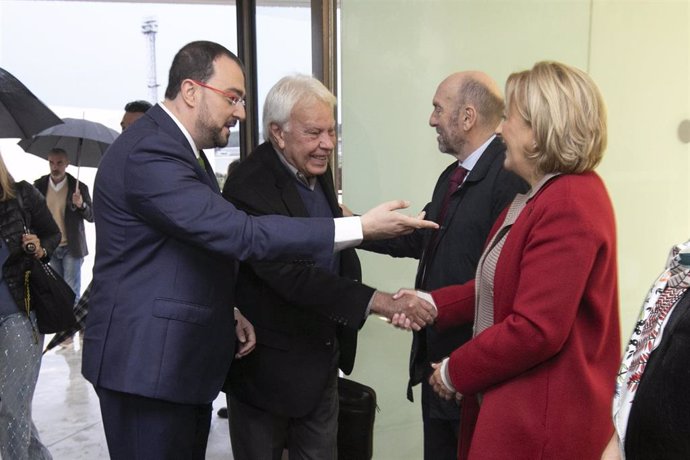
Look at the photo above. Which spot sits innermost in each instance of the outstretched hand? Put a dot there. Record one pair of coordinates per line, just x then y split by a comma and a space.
384, 222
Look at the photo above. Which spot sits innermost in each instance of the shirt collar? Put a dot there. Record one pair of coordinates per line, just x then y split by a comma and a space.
57, 187
474, 157
308, 182
183, 129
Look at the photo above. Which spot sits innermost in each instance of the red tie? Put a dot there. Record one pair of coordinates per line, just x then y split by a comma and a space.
455, 181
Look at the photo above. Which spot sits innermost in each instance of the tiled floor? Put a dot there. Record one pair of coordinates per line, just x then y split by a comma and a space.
66, 411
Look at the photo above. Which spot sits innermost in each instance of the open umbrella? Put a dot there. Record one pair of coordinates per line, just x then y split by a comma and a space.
84, 141
21, 113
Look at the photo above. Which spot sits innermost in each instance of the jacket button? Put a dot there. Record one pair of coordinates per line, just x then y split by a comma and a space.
329, 343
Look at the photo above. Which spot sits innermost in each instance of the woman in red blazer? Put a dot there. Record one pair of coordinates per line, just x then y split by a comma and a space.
536, 380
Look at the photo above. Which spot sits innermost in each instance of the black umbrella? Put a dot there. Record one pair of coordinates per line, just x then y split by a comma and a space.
84, 141
21, 113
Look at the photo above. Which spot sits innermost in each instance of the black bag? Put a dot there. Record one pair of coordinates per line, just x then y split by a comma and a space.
46, 292
355, 420
50, 297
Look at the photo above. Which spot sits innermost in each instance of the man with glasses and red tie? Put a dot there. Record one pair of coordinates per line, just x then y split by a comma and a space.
468, 197
161, 330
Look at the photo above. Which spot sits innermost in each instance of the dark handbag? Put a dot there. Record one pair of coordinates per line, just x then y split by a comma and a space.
355, 420
46, 292
50, 297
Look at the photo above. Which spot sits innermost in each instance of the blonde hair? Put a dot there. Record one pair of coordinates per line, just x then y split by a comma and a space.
6, 182
565, 110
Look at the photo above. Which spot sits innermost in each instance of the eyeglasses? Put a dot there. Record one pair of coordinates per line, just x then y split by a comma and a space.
232, 98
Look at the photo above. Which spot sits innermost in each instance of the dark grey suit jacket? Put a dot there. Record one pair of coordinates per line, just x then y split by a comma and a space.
298, 309
451, 257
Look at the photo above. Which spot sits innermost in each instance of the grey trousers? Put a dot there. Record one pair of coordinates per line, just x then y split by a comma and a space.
20, 362
259, 435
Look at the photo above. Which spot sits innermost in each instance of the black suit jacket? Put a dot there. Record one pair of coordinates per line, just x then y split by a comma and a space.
74, 217
297, 309
451, 257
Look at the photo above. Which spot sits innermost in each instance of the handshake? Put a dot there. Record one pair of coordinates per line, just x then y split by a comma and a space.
404, 309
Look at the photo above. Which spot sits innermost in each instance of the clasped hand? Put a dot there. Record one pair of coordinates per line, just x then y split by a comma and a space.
405, 310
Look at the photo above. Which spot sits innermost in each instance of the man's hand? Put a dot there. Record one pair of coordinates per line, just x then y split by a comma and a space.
77, 200
406, 312
436, 382
383, 222
245, 335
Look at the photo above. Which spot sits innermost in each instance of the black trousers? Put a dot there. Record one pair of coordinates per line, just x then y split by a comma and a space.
440, 426
140, 428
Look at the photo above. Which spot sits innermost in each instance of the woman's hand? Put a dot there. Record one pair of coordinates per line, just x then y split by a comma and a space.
30, 239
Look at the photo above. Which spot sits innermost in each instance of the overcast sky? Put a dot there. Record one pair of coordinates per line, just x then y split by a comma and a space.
87, 59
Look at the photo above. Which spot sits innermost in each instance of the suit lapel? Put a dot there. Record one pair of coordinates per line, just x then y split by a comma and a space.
284, 182
479, 171
168, 125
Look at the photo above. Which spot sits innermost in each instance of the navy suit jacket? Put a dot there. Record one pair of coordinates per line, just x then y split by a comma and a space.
451, 257
298, 309
160, 320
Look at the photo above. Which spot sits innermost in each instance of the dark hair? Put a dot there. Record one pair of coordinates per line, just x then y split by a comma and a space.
58, 151
195, 61
137, 106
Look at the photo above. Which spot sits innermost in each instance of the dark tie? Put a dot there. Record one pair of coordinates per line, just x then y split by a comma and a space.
205, 165
456, 179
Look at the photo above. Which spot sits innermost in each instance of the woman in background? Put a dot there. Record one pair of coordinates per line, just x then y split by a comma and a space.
537, 378
20, 342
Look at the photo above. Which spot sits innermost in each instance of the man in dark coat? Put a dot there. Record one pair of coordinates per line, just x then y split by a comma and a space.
307, 311
70, 206
468, 197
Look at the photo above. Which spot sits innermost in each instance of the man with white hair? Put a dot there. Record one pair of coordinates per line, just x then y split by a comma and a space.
306, 311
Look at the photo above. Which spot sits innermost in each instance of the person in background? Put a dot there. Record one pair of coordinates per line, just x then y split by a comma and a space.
651, 408
307, 311
160, 335
20, 341
70, 206
469, 195
133, 111
536, 380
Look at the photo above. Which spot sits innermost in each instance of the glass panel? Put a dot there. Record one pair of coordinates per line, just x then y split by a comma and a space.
283, 44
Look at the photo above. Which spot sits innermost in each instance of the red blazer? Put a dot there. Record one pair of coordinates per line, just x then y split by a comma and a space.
546, 369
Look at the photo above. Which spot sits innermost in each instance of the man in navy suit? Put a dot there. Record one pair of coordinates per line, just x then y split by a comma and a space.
160, 335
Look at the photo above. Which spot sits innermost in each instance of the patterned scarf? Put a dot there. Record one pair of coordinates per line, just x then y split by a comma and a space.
656, 309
